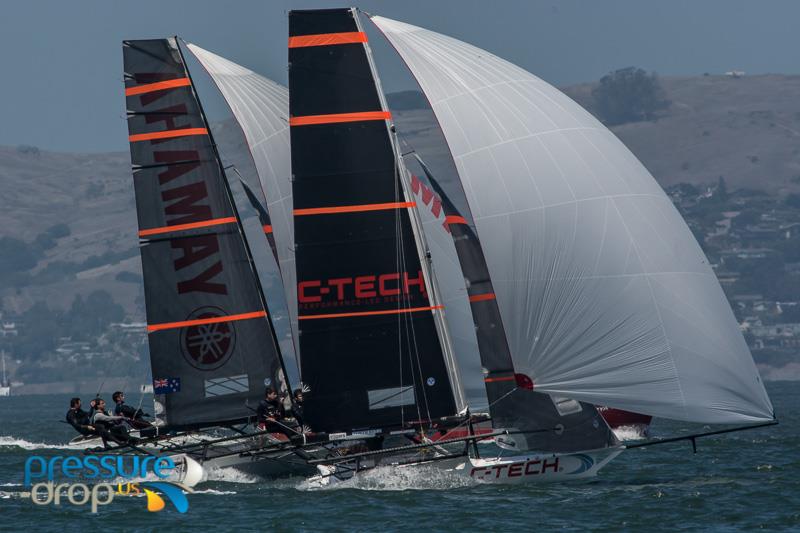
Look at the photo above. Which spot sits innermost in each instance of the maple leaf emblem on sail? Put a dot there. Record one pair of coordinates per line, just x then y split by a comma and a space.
208, 346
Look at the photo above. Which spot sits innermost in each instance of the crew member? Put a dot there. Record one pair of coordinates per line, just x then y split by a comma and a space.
271, 413
110, 427
135, 416
297, 407
78, 418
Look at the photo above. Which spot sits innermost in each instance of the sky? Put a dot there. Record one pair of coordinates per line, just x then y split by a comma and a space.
61, 82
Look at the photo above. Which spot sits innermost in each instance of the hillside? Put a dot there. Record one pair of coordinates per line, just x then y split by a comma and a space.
745, 129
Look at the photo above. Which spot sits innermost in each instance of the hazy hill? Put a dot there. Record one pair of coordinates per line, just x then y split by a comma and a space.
745, 129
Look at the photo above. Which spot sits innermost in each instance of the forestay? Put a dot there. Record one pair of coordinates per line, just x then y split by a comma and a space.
604, 293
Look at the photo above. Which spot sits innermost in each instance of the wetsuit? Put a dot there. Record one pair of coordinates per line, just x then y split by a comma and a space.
297, 412
270, 413
79, 419
110, 427
134, 415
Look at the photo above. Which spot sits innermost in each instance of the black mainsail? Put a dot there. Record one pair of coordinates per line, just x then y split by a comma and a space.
369, 347
212, 345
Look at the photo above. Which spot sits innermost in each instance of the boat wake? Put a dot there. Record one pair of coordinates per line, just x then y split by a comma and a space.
230, 475
13, 442
629, 433
214, 492
392, 478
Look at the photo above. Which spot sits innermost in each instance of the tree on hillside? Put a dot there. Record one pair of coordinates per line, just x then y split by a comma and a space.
16, 256
628, 95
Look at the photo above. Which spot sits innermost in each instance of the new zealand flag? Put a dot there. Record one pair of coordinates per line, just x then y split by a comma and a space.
166, 385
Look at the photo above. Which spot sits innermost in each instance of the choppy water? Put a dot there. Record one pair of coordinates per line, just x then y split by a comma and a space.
742, 481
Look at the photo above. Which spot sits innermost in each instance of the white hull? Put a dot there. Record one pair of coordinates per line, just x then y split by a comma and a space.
538, 468
5, 391
530, 468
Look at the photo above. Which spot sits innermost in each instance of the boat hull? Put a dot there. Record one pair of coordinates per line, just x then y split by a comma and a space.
265, 466
538, 468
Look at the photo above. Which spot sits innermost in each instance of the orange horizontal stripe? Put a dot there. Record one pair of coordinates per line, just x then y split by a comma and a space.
372, 313
191, 225
505, 378
158, 86
482, 297
167, 134
202, 321
267, 228
455, 219
325, 39
339, 117
352, 208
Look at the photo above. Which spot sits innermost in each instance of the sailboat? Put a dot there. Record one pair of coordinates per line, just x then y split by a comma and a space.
579, 280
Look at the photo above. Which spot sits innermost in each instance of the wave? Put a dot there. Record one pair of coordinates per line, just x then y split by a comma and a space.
394, 478
7, 441
214, 492
230, 475
629, 433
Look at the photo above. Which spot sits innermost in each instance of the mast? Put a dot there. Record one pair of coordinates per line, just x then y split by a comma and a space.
264, 218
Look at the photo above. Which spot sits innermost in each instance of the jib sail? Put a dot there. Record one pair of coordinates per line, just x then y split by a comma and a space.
212, 347
368, 341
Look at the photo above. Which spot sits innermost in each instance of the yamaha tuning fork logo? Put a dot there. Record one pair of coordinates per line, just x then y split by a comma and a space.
208, 346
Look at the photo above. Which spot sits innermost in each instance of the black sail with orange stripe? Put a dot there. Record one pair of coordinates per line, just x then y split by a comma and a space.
368, 342
212, 346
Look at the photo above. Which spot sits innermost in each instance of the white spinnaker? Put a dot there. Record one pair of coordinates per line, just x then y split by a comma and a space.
261, 107
605, 295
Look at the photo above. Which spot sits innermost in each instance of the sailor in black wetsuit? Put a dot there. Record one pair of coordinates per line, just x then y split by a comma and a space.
78, 418
271, 413
133, 415
297, 407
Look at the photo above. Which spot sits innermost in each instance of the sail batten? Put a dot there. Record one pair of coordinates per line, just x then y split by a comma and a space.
604, 294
